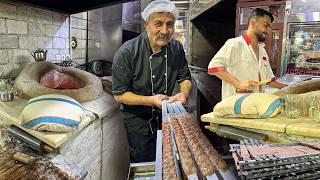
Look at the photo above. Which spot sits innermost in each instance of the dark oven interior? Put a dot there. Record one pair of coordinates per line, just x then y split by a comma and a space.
210, 30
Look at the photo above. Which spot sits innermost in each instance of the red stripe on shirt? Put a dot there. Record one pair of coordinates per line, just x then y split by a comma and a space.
216, 69
246, 38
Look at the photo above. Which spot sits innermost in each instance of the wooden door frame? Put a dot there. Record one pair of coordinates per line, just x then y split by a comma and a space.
274, 26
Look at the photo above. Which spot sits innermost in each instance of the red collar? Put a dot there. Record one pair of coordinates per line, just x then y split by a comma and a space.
246, 38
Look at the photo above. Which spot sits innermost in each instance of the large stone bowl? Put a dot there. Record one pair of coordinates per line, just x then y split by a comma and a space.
28, 84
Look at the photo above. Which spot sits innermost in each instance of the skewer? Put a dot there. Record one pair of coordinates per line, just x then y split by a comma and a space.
265, 81
164, 110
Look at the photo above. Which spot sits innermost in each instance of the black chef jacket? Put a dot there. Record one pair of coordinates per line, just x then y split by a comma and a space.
136, 69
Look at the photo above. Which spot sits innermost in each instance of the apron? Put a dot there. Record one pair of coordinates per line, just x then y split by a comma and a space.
142, 127
142, 135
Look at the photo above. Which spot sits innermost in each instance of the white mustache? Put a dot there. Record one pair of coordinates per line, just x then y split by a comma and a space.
161, 36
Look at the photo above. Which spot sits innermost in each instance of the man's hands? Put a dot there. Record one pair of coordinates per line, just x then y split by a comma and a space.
130, 98
179, 97
245, 86
241, 86
157, 99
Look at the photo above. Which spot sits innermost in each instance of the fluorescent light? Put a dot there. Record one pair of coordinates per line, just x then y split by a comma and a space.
180, 2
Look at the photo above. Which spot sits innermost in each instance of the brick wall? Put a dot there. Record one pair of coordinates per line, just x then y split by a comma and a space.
23, 29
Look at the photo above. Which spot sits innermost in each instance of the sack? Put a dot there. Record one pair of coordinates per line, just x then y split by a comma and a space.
251, 105
52, 112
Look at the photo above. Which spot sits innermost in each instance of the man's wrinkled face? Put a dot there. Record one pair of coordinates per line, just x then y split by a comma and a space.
160, 28
262, 27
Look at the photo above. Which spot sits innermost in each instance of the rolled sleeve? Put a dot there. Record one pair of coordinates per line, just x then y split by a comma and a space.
222, 58
121, 73
183, 72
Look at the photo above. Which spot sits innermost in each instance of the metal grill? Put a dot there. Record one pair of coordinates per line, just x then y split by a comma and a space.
256, 160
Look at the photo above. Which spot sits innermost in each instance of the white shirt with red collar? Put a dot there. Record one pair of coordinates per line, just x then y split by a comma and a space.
238, 58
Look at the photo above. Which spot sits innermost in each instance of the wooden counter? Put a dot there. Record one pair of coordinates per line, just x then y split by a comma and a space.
302, 126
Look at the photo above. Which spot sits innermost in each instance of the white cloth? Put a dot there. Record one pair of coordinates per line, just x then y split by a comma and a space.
52, 112
238, 58
159, 6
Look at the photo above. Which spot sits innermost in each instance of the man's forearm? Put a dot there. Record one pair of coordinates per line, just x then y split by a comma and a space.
131, 98
185, 87
277, 84
225, 76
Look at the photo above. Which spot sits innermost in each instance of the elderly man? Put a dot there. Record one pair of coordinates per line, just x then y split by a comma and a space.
145, 70
243, 61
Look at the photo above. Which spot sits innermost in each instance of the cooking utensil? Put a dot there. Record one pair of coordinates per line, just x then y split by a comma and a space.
265, 81
39, 54
7, 95
7, 92
142, 170
29, 140
24, 158
258, 84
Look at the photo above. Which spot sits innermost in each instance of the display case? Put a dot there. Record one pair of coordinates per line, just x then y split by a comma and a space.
301, 38
303, 49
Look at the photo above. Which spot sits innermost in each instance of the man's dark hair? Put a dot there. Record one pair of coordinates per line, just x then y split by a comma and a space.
260, 13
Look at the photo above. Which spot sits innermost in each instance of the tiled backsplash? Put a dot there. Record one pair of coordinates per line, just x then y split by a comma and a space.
79, 31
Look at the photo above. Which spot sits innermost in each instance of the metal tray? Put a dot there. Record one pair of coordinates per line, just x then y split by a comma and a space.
144, 170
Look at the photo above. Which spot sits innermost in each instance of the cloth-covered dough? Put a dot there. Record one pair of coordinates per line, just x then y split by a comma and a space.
251, 105
304, 91
52, 112
28, 84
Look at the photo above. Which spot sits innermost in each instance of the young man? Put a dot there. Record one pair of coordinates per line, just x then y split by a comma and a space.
145, 70
243, 61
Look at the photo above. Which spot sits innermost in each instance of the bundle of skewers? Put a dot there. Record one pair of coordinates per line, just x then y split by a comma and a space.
186, 153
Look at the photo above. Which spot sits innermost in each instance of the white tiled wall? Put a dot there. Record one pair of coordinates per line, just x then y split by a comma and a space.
78, 30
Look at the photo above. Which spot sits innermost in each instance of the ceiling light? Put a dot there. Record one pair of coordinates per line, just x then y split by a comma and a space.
180, 2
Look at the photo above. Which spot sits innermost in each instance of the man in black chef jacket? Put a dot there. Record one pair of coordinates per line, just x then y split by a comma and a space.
145, 70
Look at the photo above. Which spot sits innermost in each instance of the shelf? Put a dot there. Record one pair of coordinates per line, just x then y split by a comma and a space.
311, 39
305, 63
310, 53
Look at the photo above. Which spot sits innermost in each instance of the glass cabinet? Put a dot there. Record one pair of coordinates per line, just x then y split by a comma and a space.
303, 49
